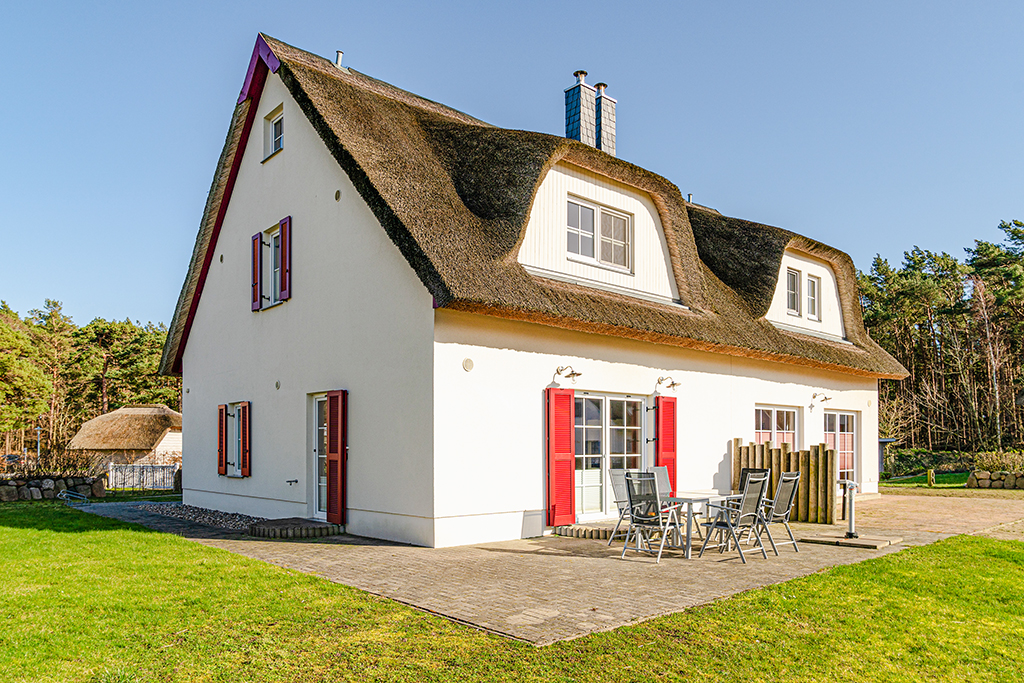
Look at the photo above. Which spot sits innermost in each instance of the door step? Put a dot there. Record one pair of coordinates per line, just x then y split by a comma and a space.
294, 527
584, 531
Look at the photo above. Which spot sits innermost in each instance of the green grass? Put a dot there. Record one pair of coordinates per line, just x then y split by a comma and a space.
127, 496
85, 598
944, 481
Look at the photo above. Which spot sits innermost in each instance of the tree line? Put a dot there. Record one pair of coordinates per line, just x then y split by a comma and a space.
55, 375
956, 325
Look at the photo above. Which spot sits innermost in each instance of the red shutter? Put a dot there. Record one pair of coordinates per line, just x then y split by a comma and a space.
222, 439
257, 271
561, 457
246, 432
665, 431
286, 258
337, 455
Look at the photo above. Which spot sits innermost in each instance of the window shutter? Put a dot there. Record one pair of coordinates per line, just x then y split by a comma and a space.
561, 457
286, 258
257, 271
665, 431
246, 432
337, 455
222, 439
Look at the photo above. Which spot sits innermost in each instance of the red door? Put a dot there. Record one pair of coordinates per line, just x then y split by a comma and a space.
337, 455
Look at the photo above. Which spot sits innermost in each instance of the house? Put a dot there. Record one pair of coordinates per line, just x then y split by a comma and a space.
147, 434
440, 332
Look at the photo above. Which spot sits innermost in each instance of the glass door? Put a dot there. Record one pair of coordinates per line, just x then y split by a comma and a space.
589, 455
320, 457
839, 434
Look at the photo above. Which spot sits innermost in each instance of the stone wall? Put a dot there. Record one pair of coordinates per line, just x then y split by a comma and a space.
980, 479
47, 488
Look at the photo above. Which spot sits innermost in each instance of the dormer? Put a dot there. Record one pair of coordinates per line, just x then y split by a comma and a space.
594, 231
806, 297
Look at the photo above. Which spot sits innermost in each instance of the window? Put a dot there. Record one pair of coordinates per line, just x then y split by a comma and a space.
233, 439
813, 290
273, 132
777, 425
611, 246
271, 264
608, 435
839, 431
793, 291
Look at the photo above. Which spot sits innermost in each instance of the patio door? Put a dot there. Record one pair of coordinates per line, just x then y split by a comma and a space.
608, 435
320, 458
839, 434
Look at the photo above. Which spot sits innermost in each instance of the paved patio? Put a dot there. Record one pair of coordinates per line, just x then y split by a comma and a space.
552, 588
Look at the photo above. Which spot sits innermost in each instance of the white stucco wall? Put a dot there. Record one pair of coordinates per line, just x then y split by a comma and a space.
171, 443
358, 319
831, 322
489, 444
544, 245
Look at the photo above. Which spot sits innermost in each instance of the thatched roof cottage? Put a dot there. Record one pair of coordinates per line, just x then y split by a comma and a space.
433, 330
148, 434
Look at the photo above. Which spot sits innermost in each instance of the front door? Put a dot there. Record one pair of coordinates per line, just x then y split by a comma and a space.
320, 459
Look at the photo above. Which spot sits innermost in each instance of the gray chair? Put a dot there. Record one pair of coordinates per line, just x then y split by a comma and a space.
618, 479
747, 471
648, 518
665, 487
778, 509
746, 515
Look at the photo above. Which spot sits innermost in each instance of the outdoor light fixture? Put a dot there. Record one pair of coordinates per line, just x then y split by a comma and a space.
572, 373
672, 384
822, 395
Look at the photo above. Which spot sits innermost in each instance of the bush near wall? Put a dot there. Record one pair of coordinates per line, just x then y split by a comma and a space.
903, 461
47, 488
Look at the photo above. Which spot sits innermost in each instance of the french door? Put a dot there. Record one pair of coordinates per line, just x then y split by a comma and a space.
608, 435
840, 434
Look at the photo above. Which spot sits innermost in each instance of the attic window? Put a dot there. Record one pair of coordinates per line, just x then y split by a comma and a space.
793, 291
273, 132
611, 245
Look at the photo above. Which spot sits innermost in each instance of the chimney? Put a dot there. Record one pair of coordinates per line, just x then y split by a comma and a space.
337, 62
605, 120
580, 113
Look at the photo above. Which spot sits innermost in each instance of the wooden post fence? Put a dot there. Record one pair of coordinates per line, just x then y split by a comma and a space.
818, 468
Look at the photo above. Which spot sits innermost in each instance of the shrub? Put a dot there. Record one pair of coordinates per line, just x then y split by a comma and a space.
1011, 461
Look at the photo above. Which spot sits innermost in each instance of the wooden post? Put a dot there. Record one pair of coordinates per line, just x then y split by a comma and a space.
776, 469
815, 489
833, 478
737, 460
805, 477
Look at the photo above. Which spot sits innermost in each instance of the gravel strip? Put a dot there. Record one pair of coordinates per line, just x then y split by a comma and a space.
224, 520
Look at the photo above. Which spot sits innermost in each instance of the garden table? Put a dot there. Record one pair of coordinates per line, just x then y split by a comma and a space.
690, 498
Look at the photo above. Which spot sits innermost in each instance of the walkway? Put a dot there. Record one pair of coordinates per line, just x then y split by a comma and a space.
549, 589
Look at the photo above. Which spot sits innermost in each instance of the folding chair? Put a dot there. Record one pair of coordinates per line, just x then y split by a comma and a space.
647, 516
746, 516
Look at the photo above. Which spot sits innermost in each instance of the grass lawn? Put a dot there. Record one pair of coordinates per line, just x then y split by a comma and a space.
945, 481
85, 598
117, 496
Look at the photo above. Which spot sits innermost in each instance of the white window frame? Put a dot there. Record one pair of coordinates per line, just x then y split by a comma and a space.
797, 424
838, 414
233, 447
273, 142
813, 298
596, 260
271, 241
793, 291
608, 506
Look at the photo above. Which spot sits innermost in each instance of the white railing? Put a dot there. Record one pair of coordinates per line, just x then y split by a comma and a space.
141, 477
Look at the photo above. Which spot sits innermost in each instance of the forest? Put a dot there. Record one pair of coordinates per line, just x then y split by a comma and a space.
55, 375
957, 325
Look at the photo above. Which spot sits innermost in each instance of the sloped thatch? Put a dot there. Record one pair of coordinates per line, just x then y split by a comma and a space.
133, 428
454, 194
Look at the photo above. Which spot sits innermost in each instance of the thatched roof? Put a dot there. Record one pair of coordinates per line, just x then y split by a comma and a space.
454, 194
133, 428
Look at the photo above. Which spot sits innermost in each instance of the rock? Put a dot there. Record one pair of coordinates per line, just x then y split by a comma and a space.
48, 494
982, 474
59, 485
47, 485
23, 493
984, 484
98, 489
1020, 483
972, 482
36, 494
997, 484
1009, 482
35, 483
84, 489
8, 494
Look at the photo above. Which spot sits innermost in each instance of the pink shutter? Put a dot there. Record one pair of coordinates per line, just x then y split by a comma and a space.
286, 258
665, 431
337, 455
246, 432
561, 457
257, 271
222, 439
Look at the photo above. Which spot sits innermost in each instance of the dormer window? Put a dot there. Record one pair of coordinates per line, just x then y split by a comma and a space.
793, 291
609, 246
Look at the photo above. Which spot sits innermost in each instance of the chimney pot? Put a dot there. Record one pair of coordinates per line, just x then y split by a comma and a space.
340, 55
600, 88
580, 75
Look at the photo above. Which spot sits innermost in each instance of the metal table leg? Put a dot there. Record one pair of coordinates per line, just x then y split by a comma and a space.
689, 527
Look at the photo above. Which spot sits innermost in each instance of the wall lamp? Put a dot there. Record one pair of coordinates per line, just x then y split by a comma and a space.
672, 384
822, 395
572, 373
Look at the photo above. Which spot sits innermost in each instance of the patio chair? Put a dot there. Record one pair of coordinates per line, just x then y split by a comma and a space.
747, 515
747, 471
665, 488
618, 478
648, 518
778, 509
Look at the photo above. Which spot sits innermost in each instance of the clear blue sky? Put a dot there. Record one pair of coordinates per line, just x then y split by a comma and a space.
871, 126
